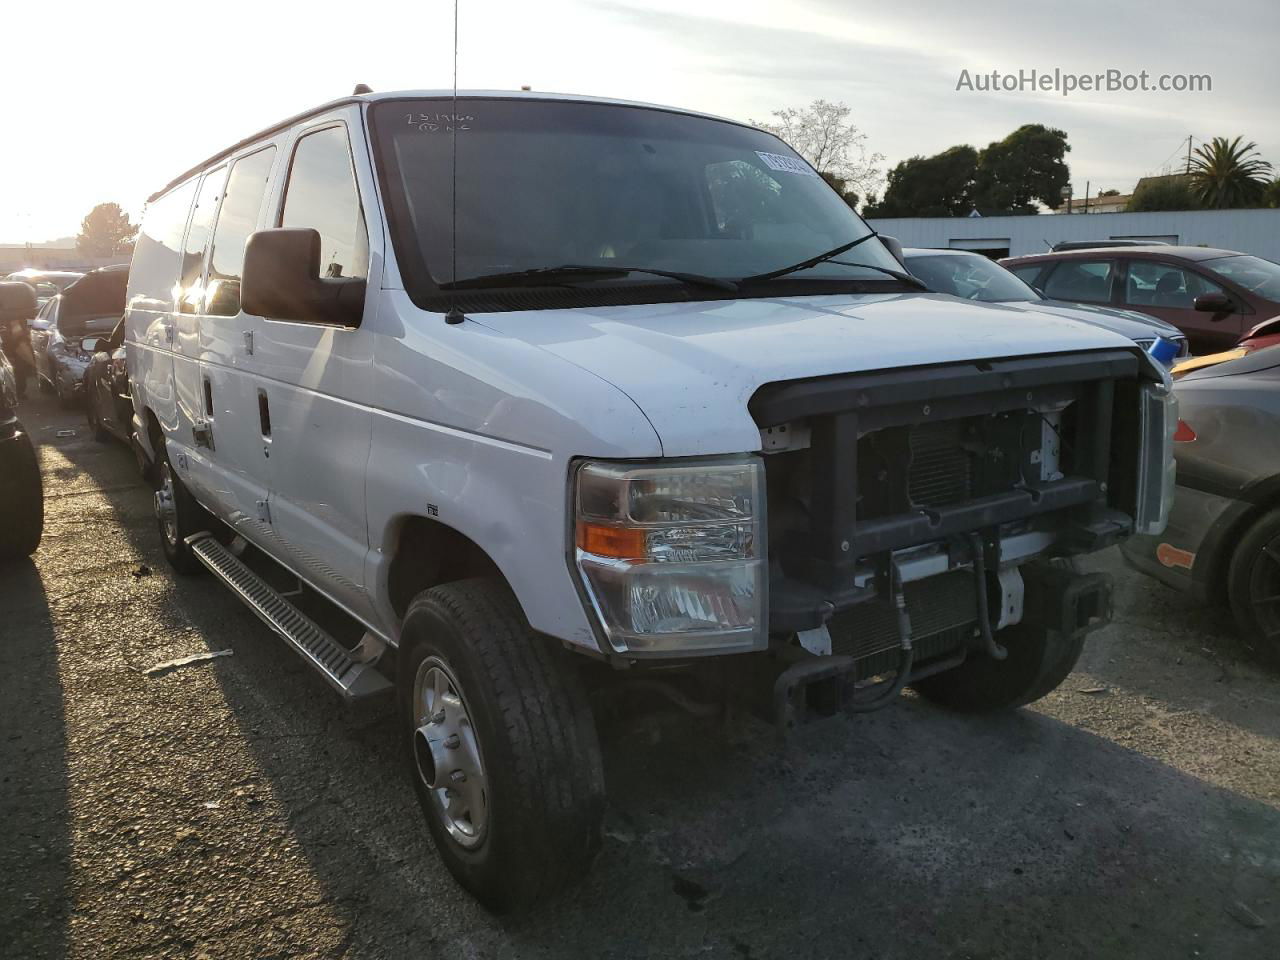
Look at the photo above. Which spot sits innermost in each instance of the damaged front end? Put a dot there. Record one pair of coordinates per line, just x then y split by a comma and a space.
913, 514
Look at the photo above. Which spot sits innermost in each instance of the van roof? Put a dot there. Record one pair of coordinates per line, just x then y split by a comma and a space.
421, 95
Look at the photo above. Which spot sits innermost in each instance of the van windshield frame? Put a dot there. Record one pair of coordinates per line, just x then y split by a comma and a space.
547, 182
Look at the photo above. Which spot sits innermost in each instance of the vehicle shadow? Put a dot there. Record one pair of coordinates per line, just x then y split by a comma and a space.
911, 832
35, 847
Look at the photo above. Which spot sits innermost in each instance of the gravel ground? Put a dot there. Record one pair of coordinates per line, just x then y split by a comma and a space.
236, 809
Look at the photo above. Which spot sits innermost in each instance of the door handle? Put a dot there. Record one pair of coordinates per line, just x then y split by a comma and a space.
264, 414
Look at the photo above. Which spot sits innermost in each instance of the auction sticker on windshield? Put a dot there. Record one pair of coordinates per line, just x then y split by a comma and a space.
776, 161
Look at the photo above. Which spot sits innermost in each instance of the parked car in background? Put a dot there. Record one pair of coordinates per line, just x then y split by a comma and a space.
1223, 537
19, 307
108, 404
46, 283
971, 276
65, 333
679, 408
21, 491
1213, 296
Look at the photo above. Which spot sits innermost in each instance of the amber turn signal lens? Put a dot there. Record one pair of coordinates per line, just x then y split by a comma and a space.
620, 543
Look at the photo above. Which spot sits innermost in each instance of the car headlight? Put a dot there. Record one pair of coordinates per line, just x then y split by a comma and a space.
672, 556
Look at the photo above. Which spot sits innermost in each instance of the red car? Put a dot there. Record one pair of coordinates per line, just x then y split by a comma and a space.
1216, 297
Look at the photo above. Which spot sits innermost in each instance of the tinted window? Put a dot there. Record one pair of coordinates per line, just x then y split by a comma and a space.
198, 240
322, 195
246, 189
1027, 274
157, 255
1088, 280
1258, 276
1153, 284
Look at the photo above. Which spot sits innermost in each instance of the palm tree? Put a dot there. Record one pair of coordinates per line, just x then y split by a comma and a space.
1226, 174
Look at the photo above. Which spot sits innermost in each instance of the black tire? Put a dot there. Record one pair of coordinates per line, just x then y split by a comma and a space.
1253, 587
45, 385
188, 517
65, 400
100, 433
542, 772
1038, 661
21, 500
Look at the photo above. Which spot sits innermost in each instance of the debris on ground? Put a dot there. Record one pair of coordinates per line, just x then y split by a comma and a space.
160, 669
1245, 916
65, 433
142, 571
1094, 690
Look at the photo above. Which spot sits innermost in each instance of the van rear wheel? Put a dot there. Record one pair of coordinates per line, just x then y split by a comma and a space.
501, 745
178, 516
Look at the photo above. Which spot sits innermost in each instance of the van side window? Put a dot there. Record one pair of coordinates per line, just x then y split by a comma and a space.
159, 247
192, 296
246, 189
322, 195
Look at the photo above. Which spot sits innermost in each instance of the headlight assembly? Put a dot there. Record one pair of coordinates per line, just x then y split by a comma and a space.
672, 556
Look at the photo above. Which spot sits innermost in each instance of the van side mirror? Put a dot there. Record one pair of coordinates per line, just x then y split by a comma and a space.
894, 247
1213, 303
282, 281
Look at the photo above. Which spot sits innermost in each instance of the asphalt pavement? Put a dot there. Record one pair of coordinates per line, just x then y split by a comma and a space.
233, 807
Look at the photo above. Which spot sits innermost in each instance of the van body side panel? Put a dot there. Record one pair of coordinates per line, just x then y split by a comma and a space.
477, 430
315, 381
313, 386
149, 302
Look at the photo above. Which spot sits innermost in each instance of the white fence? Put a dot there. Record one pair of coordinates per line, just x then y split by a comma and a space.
1247, 231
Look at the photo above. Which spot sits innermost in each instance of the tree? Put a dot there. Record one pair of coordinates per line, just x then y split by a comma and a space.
937, 186
1271, 196
823, 135
1163, 193
840, 186
1026, 167
1227, 174
106, 232
1108, 193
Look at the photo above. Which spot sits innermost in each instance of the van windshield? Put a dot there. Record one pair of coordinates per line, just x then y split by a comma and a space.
544, 184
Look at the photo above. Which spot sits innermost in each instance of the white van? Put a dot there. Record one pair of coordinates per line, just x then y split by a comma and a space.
510, 377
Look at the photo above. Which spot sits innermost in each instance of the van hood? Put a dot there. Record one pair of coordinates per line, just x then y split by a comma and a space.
692, 367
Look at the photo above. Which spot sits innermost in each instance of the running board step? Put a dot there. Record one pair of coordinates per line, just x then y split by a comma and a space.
351, 678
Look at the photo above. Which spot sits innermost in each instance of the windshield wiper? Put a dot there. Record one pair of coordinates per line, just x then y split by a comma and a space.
830, 257
569, 272
896, 274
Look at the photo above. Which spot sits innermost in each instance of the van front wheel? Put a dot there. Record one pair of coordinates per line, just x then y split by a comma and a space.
501, 745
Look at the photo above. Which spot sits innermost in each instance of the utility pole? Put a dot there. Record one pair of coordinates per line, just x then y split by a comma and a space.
1188, 171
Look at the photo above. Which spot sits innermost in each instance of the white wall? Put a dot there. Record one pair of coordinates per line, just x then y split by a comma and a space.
1247, 231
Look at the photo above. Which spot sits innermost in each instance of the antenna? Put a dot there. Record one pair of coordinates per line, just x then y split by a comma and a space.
454, 316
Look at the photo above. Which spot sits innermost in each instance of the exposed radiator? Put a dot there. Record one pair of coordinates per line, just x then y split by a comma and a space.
941, 471
940, 605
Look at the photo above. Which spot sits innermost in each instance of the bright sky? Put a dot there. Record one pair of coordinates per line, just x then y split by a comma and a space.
110, 101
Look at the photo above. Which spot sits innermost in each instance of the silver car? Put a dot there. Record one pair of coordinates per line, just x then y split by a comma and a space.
971, 276
1223, 538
